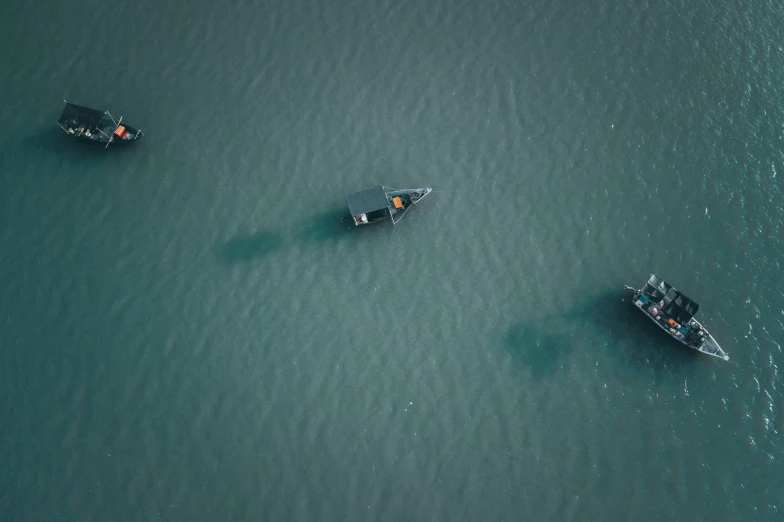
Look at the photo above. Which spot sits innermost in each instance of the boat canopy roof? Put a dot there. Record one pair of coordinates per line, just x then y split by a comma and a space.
656, 287
85, 115
368, 200
677, 304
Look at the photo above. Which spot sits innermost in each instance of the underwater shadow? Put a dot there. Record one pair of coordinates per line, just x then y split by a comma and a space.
245, 248
541, 351
630, 338
607, 325
327, 226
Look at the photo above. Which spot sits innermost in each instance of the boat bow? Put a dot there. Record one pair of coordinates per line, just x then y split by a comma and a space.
711, 347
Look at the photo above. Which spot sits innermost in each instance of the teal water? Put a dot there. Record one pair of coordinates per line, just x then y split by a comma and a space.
190, 333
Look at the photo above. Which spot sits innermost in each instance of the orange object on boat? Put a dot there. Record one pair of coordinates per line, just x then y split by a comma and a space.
120, 131
672, 323
397, 202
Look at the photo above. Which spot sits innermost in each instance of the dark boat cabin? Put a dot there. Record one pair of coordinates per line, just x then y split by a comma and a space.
370, 205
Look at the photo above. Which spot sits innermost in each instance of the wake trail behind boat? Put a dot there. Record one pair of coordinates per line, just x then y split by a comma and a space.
745, 365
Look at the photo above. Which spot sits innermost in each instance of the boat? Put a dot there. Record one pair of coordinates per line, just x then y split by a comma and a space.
94, 125
380, 202
674, 313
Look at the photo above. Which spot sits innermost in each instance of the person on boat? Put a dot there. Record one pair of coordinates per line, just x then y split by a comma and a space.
654, 311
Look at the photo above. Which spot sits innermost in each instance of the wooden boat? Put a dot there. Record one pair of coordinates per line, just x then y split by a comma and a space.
379, 203
94, 125
674, 313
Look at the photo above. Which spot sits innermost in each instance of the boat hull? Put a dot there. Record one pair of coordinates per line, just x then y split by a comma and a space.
708, 346
95, 125
132, 134
387, 203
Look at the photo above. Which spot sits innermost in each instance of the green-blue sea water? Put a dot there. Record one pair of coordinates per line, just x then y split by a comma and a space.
189, 332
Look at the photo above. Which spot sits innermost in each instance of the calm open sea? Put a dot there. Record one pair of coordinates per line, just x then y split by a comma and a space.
189, 333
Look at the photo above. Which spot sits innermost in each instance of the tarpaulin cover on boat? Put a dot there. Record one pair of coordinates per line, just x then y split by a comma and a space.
76, 114
656, 287
679, 306
368, 200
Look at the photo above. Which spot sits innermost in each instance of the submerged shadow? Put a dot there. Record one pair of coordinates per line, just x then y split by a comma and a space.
541, 351
331, 225
630, 338
246, 248
610, 326
327, 226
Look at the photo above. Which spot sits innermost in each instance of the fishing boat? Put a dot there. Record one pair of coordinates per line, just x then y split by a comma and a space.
94, 125
379, 203
674, 313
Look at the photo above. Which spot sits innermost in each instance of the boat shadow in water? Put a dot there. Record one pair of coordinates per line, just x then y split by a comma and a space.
629, 338
610, 327
541, 351
248, 247
328, 226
